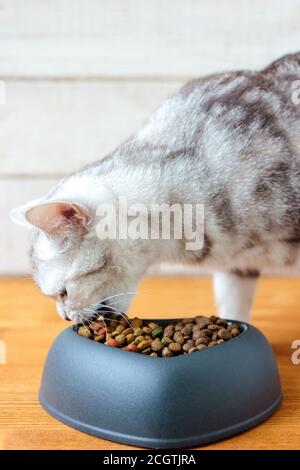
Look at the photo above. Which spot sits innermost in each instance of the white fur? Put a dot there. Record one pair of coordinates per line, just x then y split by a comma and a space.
129, 259
234, 296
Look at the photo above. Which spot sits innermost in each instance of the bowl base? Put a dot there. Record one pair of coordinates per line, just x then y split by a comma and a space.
162, 443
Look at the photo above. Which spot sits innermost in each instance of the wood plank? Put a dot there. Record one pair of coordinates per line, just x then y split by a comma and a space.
54, 128
29, 323
71, 39
14, 238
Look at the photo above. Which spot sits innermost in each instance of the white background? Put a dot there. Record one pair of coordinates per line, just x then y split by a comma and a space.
80, 76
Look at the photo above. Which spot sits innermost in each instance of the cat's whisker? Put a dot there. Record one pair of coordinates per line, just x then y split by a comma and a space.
114, 303
123, 315
105, 320
117, 295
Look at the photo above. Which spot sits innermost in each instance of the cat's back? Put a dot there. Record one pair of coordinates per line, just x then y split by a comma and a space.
243, 93
235, 103
248, 144
286, 65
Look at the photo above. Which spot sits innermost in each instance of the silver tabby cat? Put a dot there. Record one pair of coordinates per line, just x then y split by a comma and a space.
230, 141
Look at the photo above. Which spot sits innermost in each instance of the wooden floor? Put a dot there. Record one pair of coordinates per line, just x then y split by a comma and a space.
29, 323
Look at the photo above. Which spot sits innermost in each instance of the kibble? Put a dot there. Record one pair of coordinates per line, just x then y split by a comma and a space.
157, 332
130, 338
166, 341
168, 331
234, 332
144, 344
178, 326
166, 352
120, 340
147, 330
84, 331
202, 340
147, 351
127, 331
214, 327
178, 338
99, 339
193, 349
185, 336
224, 334
137, 331
175, 348
157, 345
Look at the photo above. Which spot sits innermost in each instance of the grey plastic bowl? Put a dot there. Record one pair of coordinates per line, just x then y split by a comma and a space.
161, 402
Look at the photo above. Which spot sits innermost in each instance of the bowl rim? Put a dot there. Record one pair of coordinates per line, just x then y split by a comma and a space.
245, 327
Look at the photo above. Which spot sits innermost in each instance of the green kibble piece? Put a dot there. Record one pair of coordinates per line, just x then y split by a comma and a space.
166, 341
157, 332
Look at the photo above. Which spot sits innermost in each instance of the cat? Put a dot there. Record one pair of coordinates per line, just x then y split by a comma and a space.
230, 141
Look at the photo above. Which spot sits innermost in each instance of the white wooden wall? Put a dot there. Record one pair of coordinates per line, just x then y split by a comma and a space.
82, 75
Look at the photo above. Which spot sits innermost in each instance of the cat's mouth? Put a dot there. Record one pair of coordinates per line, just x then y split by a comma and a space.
101, 310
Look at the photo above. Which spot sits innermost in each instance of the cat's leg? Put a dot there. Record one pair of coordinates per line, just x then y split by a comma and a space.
234, 293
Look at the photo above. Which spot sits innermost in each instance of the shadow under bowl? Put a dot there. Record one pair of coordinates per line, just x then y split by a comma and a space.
176, 402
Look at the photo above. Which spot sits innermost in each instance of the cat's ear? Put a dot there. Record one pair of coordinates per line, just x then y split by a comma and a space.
55, 218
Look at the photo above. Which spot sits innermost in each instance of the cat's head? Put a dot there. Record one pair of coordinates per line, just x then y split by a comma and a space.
71, 264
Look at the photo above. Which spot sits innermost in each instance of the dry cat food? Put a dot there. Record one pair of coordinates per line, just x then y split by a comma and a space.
185, 336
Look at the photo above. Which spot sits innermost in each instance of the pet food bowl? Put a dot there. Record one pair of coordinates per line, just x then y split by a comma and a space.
174, 402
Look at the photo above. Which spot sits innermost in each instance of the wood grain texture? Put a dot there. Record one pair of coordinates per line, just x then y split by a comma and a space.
14, 238
138, 38
54, 128
29, 323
